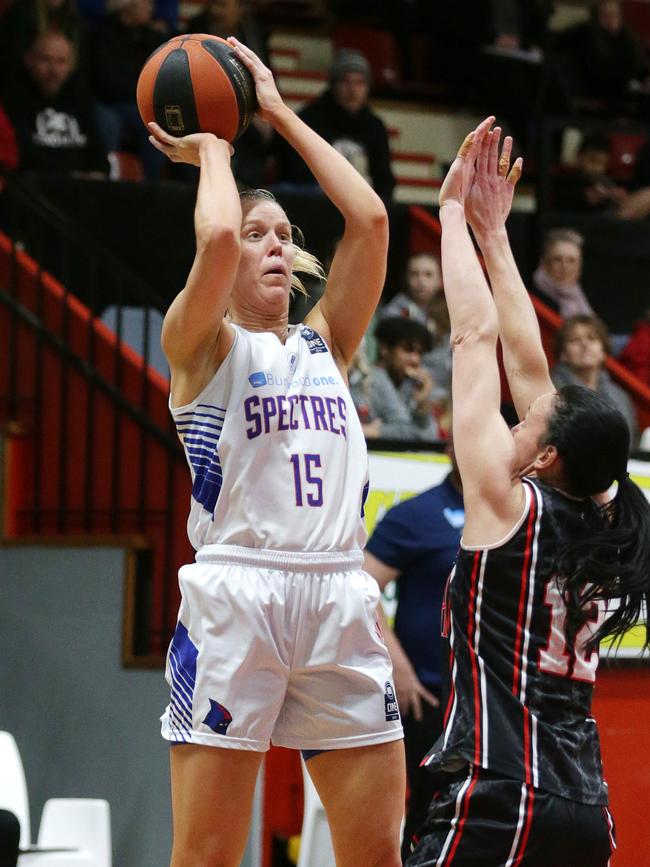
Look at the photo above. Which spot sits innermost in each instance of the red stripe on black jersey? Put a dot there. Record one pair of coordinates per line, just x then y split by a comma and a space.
461, 823
530, 793
471, 631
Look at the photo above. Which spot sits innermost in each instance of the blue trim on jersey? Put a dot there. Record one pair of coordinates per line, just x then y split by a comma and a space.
201, 450
182, 666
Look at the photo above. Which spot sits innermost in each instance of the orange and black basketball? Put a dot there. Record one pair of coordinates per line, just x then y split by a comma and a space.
195, 83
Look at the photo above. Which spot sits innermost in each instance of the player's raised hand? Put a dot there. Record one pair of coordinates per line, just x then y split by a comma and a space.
459, 178
186, 148
489, 198
269, 100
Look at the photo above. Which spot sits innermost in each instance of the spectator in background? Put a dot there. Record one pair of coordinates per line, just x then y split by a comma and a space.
557, 278
52, 112
359, 382
119, 47
342, 117
588, 188
24, 20
416, 544
424, 301
603, 61
581, 347
401, 388
423, 282
253, 150
635, 355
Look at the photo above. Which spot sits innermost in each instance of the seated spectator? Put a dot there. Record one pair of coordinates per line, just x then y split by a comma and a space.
25, 19
359, 381
423, 282
581, 346
119, 48
557, 278
604, 62
52, 112
588, 188
401, 387
424, 301
253, 150
635, 355
342, 117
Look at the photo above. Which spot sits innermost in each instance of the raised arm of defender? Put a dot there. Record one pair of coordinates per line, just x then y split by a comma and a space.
485, 449
487, 207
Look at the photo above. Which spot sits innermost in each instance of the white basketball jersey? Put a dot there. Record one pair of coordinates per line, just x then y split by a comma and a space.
275, 447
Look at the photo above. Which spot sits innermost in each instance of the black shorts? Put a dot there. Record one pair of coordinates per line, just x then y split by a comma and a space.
485, 820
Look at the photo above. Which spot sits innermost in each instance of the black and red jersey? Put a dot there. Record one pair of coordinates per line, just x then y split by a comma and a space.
520, 701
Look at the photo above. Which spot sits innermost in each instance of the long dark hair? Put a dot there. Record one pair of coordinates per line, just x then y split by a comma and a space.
613, 562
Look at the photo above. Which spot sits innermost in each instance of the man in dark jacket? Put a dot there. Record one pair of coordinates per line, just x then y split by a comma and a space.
52, 112
342, 117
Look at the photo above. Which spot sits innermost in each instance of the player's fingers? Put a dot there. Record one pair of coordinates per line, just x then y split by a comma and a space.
515, 171
504, 159
493, 156
482, 157
250, 59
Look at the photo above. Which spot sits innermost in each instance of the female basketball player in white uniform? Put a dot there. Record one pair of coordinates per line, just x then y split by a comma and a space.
277, 637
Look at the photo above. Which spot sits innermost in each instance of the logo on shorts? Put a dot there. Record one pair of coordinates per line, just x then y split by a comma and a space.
390, 702
218, 718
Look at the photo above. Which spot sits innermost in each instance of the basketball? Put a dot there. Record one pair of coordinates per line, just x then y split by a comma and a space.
195, 83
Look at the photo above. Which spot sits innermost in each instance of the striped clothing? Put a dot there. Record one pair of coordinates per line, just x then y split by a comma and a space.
520, 699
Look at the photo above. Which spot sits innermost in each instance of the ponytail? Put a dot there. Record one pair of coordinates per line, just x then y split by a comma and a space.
612, 564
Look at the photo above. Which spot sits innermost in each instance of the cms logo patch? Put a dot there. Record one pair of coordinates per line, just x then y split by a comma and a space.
315, 342
390, 702
218, 718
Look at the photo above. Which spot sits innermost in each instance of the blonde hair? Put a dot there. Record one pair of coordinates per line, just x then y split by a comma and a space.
304, 261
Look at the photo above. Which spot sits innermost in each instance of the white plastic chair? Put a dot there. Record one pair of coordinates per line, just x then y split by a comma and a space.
74, 832
315, 840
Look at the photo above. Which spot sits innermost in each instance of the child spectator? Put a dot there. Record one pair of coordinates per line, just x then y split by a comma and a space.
401, 388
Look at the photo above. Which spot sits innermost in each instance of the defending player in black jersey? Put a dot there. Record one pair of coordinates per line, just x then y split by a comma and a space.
548, 565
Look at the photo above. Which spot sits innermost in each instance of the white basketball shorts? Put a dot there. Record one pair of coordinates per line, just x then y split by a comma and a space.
279, 647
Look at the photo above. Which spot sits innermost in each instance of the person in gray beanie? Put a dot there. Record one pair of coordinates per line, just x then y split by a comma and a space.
342, 117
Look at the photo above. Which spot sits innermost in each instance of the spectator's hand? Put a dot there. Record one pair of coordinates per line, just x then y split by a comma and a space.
458, 181
186, 148
490, 197
423, 387
268, 98
410, 692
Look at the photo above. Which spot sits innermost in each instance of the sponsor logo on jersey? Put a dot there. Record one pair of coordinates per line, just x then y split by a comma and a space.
257, 379
315, 343
293, 362
260, 378
218, 718
390, 702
